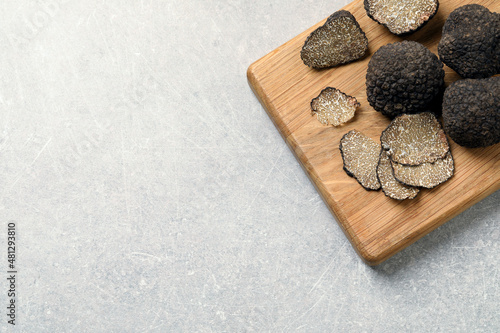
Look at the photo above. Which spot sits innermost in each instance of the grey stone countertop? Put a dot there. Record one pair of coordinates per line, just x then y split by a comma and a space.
152, 193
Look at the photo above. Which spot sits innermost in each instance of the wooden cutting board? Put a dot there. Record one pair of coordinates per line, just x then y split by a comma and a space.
377, 226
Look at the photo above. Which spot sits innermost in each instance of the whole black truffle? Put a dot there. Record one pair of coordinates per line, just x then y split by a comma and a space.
470, 44
471, 112
403, 77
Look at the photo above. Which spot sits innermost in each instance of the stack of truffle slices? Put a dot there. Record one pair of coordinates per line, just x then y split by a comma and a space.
414, 153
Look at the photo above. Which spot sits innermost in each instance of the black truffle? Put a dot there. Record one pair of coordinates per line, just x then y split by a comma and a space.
428, 175
401, 17
471, 112
391, 187
403, 77
360, 155
339, 41
333, 107
470, 44
413, 139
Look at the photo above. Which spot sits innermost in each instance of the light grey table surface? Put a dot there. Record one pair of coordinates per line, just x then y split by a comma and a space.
152, 193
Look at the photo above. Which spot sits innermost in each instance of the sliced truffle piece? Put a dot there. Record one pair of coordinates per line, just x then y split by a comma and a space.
401, 17
339, 41
470, 43
333, 107
471, 112
403, 77
426, 175
390, 186
413, 139
360, 155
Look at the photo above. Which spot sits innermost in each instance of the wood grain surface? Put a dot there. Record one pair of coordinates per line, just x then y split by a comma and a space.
377, 226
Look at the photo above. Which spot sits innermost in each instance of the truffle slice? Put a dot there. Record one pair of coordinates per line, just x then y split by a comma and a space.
426, 175
360, 155
339, 41
403, 77
471, 112
470, 43
413, 139
333, 107
401, 17
390, 186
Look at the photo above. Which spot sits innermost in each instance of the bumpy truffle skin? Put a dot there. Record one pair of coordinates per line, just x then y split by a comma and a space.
470, 44
471, 112
403, 77
401, 17
339, 41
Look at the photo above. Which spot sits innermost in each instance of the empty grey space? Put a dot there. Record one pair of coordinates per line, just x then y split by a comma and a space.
152, 193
